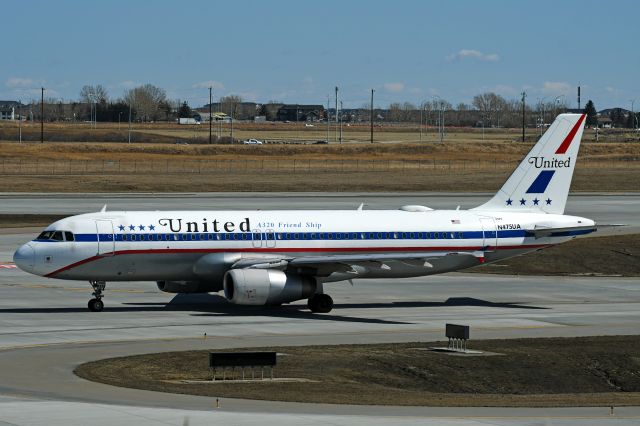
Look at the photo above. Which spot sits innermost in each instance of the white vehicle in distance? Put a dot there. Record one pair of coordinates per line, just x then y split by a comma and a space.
252, 142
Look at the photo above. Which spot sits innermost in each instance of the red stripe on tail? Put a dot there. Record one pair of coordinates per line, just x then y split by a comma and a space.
567, 141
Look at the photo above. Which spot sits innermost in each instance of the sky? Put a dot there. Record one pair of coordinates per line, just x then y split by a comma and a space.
298, 52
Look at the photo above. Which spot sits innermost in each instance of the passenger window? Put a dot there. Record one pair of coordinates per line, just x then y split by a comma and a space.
68, 236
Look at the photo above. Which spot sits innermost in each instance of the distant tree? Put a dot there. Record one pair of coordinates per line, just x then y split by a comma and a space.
395, 111
492, 107
592, 114
229, 104
94, 94
147, 100
270, 109
185, 111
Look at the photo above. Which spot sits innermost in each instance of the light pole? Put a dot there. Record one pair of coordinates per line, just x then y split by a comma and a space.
336, 136
524, 95
119, 114
633, 115
541, 112
421, 114
210, 114
232, 108
556, 103
439, 106
129, 122
20, 120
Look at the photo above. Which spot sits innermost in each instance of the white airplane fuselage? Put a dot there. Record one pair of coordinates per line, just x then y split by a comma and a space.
165, 246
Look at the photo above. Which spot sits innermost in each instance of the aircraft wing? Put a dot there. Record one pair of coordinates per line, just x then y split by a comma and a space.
541, 232
327, 264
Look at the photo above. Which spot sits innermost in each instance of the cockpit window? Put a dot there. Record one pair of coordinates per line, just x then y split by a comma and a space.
45, 235
55, 236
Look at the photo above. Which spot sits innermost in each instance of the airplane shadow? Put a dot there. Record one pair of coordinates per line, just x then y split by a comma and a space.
213, 305
452, 301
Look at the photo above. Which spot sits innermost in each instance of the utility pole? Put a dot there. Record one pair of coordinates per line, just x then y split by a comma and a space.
371, 118
210, 114
340, 121
328, 116
129, 122
42, 115
633, 115
524, 95
336, 138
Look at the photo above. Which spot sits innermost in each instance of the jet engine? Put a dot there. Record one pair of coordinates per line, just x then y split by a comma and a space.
266, 286
189, 286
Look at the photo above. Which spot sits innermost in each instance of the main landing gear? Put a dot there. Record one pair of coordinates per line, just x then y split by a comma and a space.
320, 303
96, 304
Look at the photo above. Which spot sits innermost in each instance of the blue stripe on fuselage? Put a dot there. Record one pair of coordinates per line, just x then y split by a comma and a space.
318, 236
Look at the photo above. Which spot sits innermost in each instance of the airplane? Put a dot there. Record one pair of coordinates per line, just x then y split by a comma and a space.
275, 257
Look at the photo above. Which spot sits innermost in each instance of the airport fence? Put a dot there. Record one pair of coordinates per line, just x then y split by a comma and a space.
240, 166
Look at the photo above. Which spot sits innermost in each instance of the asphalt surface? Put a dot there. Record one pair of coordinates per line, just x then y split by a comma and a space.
46, 330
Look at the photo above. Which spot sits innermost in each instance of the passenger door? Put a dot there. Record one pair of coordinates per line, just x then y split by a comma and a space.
106, 241
490, 235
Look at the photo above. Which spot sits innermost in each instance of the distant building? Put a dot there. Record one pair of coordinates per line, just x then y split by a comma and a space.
295, 112
9, 110
240, 110
604, 122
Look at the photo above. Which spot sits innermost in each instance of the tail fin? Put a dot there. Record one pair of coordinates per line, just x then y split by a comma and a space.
541, 181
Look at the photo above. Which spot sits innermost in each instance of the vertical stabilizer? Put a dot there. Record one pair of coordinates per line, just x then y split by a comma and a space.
542, 180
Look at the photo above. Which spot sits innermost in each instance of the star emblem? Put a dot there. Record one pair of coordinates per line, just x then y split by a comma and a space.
509, 202
548, 201
535, 201
121, 227
152, 228
141, 227
523, 201
132, 228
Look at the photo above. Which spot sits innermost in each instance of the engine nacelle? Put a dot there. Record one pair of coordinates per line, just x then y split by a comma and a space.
266, 287
189, 286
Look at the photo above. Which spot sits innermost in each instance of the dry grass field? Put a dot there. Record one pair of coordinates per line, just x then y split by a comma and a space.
82, 161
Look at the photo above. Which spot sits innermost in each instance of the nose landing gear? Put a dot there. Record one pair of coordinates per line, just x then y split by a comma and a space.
96, 304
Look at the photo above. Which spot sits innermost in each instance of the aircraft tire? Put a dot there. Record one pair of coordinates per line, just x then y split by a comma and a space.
320, 303
96, 305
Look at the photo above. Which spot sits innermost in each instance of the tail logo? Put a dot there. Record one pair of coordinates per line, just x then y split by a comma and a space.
564, 146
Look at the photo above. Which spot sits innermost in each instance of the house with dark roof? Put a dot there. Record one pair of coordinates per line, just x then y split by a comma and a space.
9, 110
297, 112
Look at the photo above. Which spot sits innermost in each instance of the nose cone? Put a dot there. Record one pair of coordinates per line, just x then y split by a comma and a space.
25, 257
